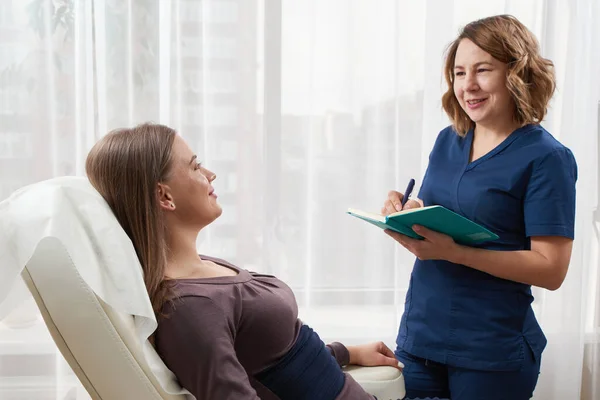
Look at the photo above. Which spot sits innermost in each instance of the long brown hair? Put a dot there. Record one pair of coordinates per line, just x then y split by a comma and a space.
530, 77
125, 166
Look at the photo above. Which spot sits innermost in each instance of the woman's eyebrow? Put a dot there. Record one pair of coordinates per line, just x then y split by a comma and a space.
477, 64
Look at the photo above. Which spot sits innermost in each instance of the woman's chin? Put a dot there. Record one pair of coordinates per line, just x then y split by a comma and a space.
217, 212
476, 116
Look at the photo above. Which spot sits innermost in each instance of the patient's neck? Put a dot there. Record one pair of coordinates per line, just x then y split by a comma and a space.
182, 256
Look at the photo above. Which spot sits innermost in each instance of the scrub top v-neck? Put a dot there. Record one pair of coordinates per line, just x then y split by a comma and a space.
524, 187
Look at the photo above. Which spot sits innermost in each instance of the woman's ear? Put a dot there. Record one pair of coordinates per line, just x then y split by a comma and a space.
165, 199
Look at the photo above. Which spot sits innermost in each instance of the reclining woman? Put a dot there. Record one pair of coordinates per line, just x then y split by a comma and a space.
225, 332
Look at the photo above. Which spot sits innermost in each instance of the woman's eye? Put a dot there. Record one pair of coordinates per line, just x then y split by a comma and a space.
459, 73
482, 70
198, 165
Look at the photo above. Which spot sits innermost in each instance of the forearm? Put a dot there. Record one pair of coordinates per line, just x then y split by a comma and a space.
525, 266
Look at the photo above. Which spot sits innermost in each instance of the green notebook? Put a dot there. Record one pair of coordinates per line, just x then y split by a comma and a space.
436, 218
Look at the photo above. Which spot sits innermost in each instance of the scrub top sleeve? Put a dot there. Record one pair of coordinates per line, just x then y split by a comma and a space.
549, 204
436, 145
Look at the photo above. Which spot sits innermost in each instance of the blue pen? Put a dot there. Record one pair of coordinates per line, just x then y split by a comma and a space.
408, 191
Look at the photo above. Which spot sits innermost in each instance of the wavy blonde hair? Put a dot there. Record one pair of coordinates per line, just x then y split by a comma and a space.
530, 78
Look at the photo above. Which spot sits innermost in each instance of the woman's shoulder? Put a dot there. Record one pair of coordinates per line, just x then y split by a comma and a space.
448, 133
541, 145
447, 137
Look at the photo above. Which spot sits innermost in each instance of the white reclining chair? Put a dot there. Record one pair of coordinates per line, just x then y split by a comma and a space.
100, 344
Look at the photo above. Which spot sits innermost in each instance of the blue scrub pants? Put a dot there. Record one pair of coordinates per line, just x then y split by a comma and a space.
427, 379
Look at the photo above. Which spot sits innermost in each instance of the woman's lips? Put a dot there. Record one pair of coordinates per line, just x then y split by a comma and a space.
476, 103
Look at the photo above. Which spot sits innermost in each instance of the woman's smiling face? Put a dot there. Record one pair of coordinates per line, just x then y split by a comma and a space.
480, 85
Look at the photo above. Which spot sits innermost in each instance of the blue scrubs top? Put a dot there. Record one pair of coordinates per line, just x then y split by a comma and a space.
525, 187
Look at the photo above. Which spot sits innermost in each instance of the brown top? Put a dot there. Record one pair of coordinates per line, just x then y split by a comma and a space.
222, 331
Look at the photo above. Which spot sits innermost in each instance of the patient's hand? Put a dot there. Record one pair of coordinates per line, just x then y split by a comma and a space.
373, 354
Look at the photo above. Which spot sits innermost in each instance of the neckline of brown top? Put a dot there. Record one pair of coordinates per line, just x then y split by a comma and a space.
241, 276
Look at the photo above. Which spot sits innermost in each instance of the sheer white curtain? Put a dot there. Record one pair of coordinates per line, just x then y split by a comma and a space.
303, 108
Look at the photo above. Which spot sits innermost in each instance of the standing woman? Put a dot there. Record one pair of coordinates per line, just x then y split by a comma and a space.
468, 330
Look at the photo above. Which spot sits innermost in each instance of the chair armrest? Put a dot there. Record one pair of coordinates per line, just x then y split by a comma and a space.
385, 383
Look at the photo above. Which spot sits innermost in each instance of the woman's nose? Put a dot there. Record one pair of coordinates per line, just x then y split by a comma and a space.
470, 83
211, 176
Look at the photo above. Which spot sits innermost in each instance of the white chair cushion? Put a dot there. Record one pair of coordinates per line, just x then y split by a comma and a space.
386, 383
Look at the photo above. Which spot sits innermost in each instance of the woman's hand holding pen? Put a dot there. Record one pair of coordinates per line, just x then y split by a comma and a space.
435, 246
394, 203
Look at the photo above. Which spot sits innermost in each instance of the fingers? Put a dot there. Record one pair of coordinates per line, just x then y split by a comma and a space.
412, 203
398, 237
396, 199
392, 362
426, 233
389, 358
406, 242
386, 351
393, 234
389, 361
387, 208
393, 203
